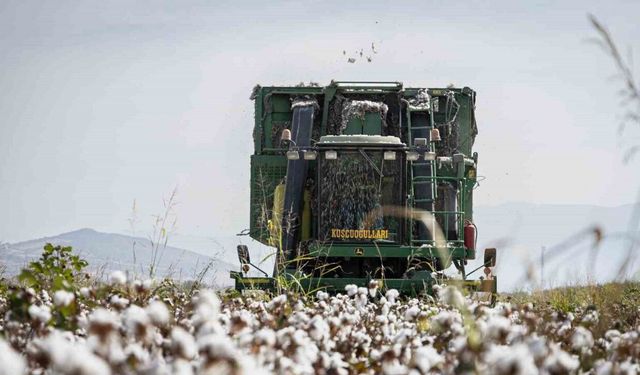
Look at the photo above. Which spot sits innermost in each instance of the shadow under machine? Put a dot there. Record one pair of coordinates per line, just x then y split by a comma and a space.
362, 181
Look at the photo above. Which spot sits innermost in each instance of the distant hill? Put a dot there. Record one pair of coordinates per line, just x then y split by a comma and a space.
108, 251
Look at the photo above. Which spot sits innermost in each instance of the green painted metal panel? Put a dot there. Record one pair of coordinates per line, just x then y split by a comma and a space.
267, 171
385, 251
372, 124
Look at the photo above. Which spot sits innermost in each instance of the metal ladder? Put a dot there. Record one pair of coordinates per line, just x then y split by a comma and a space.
422, 172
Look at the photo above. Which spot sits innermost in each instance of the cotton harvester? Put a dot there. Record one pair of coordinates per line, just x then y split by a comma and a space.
362, 181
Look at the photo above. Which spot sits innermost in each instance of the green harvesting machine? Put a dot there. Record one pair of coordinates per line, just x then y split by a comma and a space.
364, 181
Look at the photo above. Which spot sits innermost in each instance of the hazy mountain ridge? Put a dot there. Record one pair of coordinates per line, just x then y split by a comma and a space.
113, 251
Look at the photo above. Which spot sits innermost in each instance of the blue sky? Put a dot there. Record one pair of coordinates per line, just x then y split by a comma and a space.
106, 102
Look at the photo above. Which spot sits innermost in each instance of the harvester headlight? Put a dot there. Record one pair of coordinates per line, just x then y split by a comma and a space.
389, 155
420, 141
413, 155
309, 155
293, 155
430, 156
331, 155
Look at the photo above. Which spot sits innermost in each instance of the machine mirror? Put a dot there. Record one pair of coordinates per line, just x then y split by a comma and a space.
389, 155
331, 155
243, 255
490, 257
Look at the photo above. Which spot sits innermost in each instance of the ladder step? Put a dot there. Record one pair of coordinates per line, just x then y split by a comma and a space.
421, 182
420, 127
423, 200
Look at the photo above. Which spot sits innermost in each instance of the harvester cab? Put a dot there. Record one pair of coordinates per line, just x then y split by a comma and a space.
360, 182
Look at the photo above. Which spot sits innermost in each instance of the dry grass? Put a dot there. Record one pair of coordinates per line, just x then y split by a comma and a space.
618, 303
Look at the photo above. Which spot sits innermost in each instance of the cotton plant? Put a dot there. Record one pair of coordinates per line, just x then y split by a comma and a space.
132, 326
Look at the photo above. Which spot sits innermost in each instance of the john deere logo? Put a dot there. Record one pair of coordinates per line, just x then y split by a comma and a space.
358, 251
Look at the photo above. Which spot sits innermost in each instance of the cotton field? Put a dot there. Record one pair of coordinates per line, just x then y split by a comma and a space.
135, 326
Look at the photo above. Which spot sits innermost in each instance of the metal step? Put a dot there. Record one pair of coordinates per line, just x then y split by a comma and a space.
423, 200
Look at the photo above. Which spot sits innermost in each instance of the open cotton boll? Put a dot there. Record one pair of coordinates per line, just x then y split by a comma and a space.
391, 295
425, 358
118, 278
40, 313
63, 298
103, 321
322, 295
70, 358
85, 292
207, 306
582, 339
411, 313
183, 344
277, 302
560, 362
136, 320
351, 290
451, 296
11, 363
118, 301
158, 313
513, 359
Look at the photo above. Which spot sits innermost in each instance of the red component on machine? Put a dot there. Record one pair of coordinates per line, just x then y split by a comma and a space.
469, 235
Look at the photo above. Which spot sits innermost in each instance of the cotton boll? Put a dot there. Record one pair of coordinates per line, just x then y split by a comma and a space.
265, 337
181, 367
85, 292
425, 358
135, 353
411, 313
582, 339
69, 358
118, 278
11, 363
351, 290
451, 296
103, 321
560, 362
497, 327
63, 298
215, 347
391, 295
183, 344
119, 302
514, 359
322, 295
373, 288
147, 284
158, 313
136, 321
40, 313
